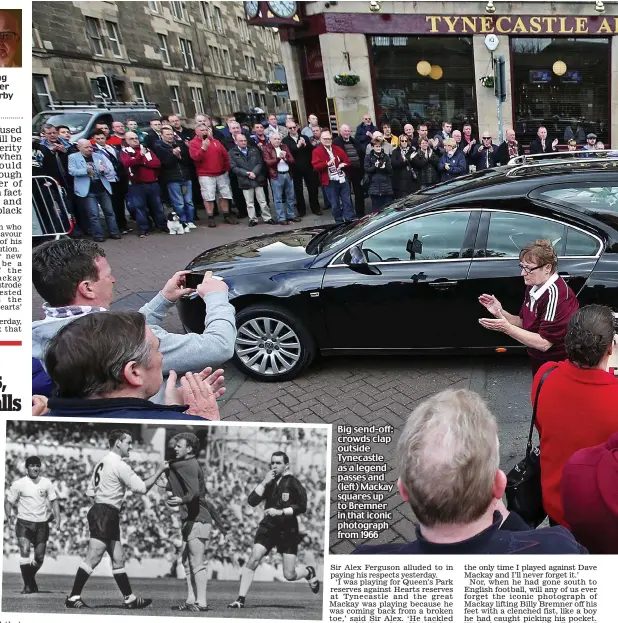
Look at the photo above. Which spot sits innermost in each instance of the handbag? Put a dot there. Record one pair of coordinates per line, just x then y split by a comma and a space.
524, 495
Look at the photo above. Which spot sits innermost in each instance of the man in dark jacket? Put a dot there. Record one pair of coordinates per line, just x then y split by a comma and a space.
541, 144
301, 149
453, 162
484, 155
108, 365
248, 167
459, 505
176, 172
510, 148
355, 171
364, 133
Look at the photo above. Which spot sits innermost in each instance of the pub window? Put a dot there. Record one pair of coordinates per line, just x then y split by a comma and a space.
405, 96
570, 103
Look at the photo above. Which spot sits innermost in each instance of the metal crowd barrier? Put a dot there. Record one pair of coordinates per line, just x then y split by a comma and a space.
50, 215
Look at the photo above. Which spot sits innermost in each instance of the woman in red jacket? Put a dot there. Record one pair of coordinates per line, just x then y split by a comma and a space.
578, 403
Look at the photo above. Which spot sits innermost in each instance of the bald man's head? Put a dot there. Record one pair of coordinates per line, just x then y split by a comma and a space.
10, 37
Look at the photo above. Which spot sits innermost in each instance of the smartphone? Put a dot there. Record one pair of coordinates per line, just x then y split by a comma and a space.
196, 294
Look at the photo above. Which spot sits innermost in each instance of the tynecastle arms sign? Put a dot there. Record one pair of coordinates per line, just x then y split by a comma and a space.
407, 23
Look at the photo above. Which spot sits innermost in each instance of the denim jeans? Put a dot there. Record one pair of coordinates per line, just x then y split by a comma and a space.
146, 198
93, 200
339, 198
379, 201
279, 185
183, 204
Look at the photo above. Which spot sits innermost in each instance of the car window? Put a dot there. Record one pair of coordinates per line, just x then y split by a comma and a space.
509, 233
579, 243
77, 121
432, 237
584, 197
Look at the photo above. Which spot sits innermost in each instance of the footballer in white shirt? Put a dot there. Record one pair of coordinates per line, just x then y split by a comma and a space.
109, 482
37, 503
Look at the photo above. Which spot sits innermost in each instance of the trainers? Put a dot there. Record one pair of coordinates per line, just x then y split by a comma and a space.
237, 604
252, 223
187, 229
75, 603
230, 219
211, 221
191, 225
184, 607
139, 603
314, 583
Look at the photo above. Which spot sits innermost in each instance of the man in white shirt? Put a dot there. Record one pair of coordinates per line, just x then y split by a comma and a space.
33, 495
109, 482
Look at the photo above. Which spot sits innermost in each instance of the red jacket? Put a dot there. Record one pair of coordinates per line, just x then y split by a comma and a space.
588, 488
209, 162
577, 409
320, 158
271, 160
141, 169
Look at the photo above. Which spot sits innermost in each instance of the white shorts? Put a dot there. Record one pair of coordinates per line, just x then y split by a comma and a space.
199, 530
213, 186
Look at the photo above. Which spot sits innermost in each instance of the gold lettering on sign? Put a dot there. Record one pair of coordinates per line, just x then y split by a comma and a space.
503, 29
520, 27
563, 27
468, 22
535, 25
451, 22
549, 24
581, 25
487, 24
604, 28
434, 22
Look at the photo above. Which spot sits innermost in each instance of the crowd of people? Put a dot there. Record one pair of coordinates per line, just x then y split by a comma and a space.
124, 173
149, 527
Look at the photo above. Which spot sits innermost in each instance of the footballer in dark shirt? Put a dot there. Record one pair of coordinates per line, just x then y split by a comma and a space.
285, 499
185, 481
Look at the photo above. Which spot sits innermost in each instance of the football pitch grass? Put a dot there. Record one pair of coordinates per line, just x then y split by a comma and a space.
266, 600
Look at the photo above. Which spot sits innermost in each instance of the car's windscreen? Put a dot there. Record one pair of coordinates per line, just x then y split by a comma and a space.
76, 121
458, 182
338, 236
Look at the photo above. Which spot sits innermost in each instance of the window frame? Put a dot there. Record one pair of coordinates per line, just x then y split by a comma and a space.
339, 256
175, 90
216, 63
177, 6
199, 92
218, 20
47, 92
114, 39
99, 38
206, 9
243, 29
227, 61
164, 48
140, 92
154, 6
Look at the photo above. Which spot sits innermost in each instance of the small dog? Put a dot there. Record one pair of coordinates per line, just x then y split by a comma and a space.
174, 224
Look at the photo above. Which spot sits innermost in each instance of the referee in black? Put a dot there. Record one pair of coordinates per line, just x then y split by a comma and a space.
285, 499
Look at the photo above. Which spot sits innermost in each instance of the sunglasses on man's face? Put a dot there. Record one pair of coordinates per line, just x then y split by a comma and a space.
487, 138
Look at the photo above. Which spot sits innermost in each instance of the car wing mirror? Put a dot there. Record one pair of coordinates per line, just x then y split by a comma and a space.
356, 259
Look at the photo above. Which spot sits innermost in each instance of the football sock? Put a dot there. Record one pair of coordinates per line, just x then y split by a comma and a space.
81, 577
35, 567
201, 580
302, 573
122, 580
26, 570
246, 578
191, 589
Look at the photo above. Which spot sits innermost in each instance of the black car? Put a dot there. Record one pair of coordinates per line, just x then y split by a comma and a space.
408, 278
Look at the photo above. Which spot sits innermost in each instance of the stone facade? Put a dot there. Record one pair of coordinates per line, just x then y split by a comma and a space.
186, 57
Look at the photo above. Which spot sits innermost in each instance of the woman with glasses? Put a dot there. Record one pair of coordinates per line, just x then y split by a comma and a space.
379, 170
404, 175
548, 306
484, 154
426, 163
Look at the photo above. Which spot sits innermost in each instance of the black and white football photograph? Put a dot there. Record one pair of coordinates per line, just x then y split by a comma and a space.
226, 521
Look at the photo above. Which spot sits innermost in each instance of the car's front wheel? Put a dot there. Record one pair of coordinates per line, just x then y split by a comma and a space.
272, 345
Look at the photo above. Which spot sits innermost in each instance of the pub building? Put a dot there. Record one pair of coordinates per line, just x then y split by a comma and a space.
432, 61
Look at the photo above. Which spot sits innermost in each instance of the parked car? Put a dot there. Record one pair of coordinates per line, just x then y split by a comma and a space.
82, 119
407, 279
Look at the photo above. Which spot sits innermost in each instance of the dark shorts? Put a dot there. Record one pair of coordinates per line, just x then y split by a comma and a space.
35, 531
104, 522
285, 541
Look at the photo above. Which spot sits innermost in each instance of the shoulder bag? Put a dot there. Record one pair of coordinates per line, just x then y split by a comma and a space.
524, 495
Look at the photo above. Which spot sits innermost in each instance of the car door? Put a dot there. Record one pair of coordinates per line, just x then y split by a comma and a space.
495, 265
404, 293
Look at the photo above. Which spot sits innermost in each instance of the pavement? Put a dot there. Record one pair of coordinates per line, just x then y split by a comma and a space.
354, 391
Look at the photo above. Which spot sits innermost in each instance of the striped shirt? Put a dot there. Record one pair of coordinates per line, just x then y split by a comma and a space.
547, 310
